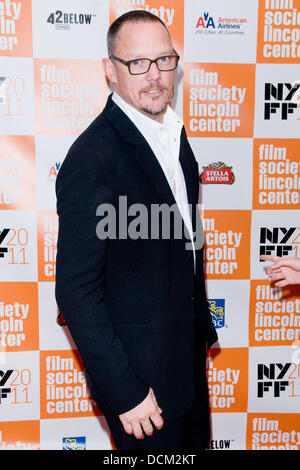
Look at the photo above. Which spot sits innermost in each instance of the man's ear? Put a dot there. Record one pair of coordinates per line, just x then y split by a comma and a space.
109, 70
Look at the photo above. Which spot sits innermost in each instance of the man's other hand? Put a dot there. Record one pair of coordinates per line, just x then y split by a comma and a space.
284, 271
138, 419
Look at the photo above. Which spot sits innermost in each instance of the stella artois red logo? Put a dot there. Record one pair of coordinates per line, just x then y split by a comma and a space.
217, 173
60, 318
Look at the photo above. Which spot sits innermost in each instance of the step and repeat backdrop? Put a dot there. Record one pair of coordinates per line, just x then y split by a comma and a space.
238, 91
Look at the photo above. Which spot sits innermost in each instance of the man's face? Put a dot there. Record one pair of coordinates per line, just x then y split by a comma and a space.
150, 92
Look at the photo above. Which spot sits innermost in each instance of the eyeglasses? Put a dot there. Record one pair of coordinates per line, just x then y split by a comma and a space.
139, 66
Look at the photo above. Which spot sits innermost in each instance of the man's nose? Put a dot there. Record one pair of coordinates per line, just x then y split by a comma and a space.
153, 73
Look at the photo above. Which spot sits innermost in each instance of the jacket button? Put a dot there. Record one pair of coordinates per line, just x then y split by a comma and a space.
191, 296
188, 256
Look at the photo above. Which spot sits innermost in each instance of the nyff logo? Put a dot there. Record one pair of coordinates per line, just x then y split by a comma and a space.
3, 235
274, 373
280, 98
278, 241
217, 310
4, 376
2, 89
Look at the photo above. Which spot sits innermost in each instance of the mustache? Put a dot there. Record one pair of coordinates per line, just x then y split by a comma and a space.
152, 87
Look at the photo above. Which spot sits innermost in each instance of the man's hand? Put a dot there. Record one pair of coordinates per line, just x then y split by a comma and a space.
285, 270
137, 420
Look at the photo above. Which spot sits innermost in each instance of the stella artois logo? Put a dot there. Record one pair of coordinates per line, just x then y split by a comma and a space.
60, 318
217, 173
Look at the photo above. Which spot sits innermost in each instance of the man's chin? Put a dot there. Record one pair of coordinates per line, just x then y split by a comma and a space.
154, 111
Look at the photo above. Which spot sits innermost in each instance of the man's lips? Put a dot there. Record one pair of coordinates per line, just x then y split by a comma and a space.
154, 92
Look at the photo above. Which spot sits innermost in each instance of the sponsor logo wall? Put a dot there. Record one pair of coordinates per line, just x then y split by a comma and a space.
238, 91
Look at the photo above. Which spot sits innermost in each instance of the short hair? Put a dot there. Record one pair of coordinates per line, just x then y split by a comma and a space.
134, 16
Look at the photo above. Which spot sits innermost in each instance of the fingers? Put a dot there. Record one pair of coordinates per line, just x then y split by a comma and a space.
141, 419
276, 276
137, 430
127, 427
147, 426
139, 427
277, 266
154, 399
286, 262
282, 283
280, 262
157, 421
275, 259
156, 417
269, 258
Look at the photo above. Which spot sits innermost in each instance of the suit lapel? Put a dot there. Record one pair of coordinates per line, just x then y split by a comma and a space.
143, 152
145, 156
186, 169
151, 166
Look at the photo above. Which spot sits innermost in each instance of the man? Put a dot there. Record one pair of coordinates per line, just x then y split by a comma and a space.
136, 306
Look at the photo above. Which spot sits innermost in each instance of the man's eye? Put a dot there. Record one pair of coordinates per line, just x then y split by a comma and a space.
136, 63
165, 59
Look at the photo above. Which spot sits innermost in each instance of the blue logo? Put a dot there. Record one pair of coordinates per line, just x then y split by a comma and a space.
217, 310
74, 443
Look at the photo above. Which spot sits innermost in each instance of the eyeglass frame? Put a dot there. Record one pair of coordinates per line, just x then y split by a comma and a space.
127, 62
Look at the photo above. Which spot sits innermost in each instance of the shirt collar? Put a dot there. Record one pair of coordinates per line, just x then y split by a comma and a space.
147, 126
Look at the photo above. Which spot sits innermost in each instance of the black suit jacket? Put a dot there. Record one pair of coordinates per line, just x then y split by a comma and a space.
133, 306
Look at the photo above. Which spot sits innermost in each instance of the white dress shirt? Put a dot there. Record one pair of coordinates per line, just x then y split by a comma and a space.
164, 140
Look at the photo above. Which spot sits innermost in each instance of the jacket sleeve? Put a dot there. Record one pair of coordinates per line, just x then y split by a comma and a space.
204, 320
206, 327
80, 281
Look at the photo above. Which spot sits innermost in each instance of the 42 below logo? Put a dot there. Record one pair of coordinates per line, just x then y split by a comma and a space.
63, 20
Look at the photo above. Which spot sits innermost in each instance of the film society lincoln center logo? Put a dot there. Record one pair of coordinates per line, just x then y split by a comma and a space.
15, 28
68, 95
64, 392
276, 174
278, 31
171, 12
227, 377
20, 435
274, 315
218, 99
273, 431
227, 240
